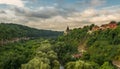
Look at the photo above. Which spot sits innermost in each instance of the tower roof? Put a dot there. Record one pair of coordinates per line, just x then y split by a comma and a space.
67, 28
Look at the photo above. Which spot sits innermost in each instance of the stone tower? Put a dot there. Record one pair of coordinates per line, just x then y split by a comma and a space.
67, 30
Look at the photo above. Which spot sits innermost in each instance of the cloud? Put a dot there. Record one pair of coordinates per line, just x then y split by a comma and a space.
89, 3
41, 13
97, 2
2, 12
89, 13
17, 3
58, 18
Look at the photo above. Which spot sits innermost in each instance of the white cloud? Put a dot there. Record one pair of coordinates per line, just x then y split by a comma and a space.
53, 18
89, 13
17, 3
97, 2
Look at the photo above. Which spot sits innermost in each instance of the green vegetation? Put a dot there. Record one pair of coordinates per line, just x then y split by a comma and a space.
99, 47
45, 58
15, 54
67, 45
107, 65
104, 45
82, 65
98, 50
10, 31
31, 54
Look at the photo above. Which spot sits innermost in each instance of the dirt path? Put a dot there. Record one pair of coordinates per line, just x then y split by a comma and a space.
82, 46
116, 63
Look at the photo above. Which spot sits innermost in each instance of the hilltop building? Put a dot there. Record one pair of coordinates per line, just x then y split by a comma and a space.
95, 28
111, 25
67, 30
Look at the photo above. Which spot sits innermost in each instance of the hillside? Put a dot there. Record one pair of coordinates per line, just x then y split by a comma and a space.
98, 49
78, 49
10, 31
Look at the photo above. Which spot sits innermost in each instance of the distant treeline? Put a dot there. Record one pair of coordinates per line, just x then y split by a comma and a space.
9, 31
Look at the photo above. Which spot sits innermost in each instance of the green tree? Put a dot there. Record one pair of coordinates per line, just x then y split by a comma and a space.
36, 63
107, 65
81, 65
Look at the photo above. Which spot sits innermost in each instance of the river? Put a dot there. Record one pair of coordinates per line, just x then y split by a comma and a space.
61, 67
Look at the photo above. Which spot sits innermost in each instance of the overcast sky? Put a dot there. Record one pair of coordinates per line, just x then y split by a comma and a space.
58, 14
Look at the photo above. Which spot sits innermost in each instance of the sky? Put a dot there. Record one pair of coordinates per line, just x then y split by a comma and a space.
58, 14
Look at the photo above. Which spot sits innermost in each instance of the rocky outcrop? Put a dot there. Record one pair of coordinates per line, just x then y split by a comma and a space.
13, 40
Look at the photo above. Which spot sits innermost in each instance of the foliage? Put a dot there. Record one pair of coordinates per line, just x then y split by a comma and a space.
82, 65
36, 63
103, 45
10, 31
101, 48
12, 56
45, 58
107, 65
67, 45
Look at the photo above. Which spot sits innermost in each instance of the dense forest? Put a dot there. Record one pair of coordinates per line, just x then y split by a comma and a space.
32, 54
78, 49
99, 49
9, 31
